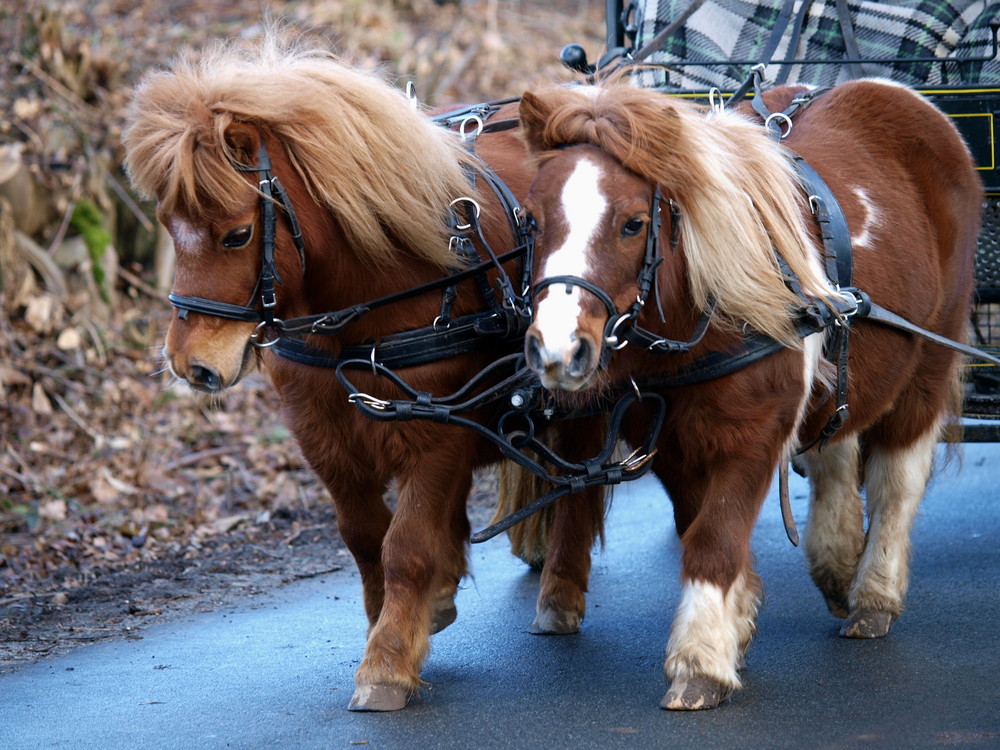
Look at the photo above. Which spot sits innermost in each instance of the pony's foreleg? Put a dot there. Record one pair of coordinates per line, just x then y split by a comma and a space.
835, 529
558, 539
895, 482
575, 524
423, 557
717, 615
708, 640
363, 520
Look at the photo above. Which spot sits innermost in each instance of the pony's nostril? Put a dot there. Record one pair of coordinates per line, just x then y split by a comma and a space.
205, 378
533, 352
579, 362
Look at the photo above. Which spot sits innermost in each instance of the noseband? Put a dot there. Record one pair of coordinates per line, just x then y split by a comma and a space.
260, 308
623, 328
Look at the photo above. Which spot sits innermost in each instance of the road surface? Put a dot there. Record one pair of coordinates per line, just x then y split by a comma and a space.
278, 673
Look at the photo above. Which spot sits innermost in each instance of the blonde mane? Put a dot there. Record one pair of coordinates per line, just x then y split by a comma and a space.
364, 153
738, 192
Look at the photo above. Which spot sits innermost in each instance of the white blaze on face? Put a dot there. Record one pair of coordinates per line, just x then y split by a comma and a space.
583, 209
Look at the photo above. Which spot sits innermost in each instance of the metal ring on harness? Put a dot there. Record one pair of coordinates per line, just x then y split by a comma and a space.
466, 199
713, 94
462, 128
611, 339
782, 135
277, 322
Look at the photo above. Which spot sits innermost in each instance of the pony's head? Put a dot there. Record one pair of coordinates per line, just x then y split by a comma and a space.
604, 152
369, 176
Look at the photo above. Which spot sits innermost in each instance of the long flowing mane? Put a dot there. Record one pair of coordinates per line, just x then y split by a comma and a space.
354, 139
737, 189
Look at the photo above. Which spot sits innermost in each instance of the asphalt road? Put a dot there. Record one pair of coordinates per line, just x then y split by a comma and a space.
278, 674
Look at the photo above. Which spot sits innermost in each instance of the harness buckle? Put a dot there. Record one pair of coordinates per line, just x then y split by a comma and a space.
370, 401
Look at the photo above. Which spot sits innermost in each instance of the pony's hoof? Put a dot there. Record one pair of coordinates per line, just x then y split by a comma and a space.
692, 694
867, 623
443, 616
378, 698
550, 621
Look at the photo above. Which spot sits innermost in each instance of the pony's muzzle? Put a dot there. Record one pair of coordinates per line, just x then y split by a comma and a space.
569, 368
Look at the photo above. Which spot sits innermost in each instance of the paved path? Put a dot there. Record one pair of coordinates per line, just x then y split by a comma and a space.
278, 673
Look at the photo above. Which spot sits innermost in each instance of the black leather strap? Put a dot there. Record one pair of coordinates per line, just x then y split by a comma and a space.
836, 236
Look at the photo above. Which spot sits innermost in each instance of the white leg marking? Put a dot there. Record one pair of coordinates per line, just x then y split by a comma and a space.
710, 632
583, 208
895, 483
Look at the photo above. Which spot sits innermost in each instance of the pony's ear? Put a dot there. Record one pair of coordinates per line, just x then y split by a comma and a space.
243, 142
534, 112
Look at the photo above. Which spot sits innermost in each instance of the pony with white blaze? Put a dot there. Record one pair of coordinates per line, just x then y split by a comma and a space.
727, 337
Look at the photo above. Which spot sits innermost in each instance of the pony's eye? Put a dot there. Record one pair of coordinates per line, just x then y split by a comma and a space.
633, 226
239, 237
531, 222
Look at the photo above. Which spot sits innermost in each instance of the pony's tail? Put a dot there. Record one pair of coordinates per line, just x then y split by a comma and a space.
516, 487
951, 423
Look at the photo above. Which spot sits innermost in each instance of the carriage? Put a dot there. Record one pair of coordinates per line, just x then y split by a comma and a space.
291, 184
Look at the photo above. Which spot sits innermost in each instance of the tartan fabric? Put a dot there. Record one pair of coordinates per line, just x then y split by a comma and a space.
739, 30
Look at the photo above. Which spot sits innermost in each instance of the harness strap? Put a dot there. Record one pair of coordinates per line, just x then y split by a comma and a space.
837, 250
333, 322
879, 314
482, 111
410, 348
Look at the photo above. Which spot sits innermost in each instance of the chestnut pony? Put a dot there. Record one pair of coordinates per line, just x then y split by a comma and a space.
370, 180
746, 255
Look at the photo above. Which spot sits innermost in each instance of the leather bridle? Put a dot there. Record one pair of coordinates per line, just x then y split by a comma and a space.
260, 308
623, 328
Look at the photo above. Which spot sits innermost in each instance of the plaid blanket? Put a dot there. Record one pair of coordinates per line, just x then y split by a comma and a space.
740, 29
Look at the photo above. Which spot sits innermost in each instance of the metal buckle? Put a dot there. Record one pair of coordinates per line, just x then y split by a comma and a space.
369, 401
